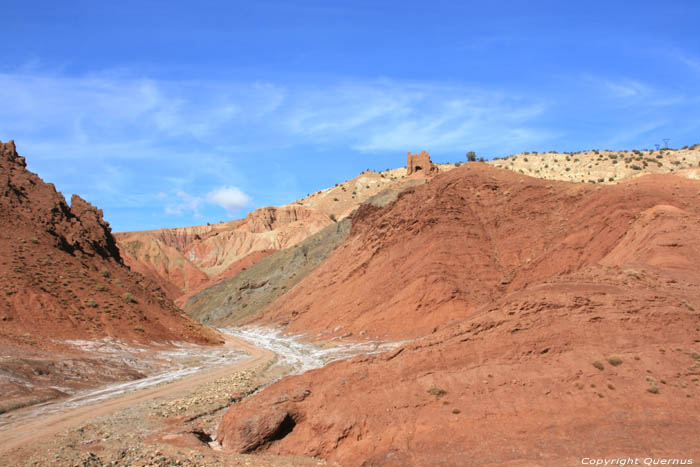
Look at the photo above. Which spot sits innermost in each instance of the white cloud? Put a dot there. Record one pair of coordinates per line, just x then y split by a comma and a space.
228, 197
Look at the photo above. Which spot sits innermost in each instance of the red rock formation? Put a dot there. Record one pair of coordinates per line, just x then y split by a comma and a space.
189, 259
420, 161
516, 287
62, 275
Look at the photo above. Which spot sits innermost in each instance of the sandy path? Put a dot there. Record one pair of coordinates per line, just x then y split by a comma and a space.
32, 431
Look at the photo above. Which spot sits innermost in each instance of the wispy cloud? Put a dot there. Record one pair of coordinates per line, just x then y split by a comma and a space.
384, 115
184, 204
690, 62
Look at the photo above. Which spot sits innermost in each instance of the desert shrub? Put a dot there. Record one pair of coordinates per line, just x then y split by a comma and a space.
695, 355
332, 217
436, 391
614, 360
471, 156
598, 364
457, 164
128, 297
654, 389
91, 303
105, 272
100, 287
635, 167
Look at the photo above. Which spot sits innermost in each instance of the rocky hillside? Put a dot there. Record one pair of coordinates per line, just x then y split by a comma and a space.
548, 316
601, 166
62, 275
188, 260
244, 295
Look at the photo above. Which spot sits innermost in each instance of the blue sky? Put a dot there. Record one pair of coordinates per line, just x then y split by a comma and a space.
177, 113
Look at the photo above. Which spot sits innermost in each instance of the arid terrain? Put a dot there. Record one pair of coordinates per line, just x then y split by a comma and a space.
530, 310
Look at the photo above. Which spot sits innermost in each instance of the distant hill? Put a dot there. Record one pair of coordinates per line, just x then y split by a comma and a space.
601, 166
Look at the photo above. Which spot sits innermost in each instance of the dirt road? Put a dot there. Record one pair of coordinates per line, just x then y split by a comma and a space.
28, 433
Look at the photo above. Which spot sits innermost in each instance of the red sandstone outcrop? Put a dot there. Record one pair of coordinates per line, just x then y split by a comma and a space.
62, 275
561, 322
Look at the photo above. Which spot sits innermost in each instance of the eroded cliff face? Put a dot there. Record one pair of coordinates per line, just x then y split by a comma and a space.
190, 258
62, 274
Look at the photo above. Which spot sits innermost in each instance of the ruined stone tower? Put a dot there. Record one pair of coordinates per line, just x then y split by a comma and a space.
420, 161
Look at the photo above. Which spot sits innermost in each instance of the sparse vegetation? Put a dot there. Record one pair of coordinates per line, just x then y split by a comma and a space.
91, 303
598, 364
614, 360
128, 297
436, 391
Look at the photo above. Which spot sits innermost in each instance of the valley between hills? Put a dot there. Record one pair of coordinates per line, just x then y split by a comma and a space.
528, 310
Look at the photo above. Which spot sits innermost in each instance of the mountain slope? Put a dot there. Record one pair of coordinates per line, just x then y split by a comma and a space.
62, 275
553, 321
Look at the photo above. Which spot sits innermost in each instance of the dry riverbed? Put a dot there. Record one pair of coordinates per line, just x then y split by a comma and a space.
170, 423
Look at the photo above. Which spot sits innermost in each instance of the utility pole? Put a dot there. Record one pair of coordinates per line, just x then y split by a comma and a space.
657, 146
665, 140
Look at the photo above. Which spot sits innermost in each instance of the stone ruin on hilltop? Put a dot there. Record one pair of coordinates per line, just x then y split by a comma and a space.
420, 161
